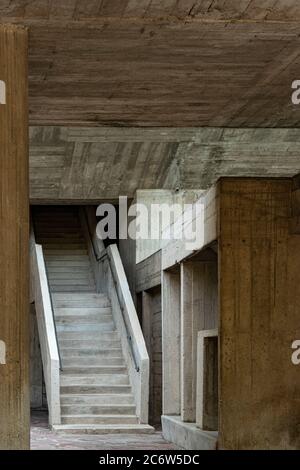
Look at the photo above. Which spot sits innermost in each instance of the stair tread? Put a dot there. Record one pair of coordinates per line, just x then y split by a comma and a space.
104, 428
95, 395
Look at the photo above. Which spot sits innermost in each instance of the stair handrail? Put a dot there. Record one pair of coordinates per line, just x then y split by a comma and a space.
135, 337
40, 295
32, 235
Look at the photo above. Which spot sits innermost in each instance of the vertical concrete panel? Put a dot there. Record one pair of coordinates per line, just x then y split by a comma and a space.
152, 330
14, 240
259, 277
171, 342
199, 300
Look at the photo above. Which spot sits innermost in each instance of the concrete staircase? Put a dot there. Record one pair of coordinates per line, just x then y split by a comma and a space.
95, 390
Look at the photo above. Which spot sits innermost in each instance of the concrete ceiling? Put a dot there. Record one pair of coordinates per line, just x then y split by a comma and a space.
161, 62
92, 164
131, 94
79, 10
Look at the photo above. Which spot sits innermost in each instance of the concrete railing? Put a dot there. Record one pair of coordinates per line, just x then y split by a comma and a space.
40, 295
128, 324
111, 280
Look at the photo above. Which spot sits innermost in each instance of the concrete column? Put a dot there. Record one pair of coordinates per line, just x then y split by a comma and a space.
259, 272
14, 240
171, 342
199, 300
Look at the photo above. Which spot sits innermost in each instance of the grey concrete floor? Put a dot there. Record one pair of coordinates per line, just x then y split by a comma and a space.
42, 438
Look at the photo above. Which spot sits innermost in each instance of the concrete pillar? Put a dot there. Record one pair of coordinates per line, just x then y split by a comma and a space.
171, 342
207, 380
259, 272
14, 239
199, 300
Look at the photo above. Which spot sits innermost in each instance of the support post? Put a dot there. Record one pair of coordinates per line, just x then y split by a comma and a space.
14, 240
259, 274
199, 300
171, 342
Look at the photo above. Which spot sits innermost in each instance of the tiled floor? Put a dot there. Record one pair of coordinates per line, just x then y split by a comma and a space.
44, 439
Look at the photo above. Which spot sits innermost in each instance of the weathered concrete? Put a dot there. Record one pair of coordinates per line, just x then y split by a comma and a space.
198, 298
14, 241
152, 330
171, 342
259, 315
207, 380
158, 220
42, 438
148, 273
119, 161
187, 435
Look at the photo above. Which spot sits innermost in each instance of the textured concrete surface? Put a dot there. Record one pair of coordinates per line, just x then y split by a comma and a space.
42, 438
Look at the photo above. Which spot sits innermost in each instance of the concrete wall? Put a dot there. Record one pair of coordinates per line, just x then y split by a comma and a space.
259, 273
148, 247
127, 249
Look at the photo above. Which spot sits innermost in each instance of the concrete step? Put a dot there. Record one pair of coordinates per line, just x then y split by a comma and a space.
90, 343
78, 296
85, 327
99, 419
90, 389
67, 273
79, 303
70, 282
82, 312
70, 258
95, 370
104, 429
60, 288
62, 240
91, 352
67, 264
98, 379
68, 270
82, 300
73, 283
64, 246
94, 409
78, 319
97, 399
92, 361
50, 252
98, 336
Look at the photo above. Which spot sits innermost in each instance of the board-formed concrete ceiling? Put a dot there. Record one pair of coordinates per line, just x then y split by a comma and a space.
69, 164
161, 62
199, 9
132, 94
